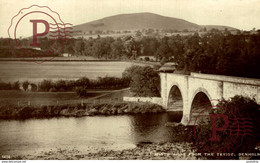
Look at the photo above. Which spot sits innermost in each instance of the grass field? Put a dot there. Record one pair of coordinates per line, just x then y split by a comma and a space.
18, 70
22, 98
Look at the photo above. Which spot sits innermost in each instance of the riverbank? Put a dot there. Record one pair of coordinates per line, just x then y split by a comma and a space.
79, 110
154, 151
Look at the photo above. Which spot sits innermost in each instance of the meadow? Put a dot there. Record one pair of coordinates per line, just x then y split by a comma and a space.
11, 71
23, 98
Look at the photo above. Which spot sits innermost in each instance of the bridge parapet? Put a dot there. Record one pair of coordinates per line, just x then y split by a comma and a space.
224, 78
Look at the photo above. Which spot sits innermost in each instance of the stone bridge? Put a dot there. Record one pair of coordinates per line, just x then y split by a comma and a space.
184, 90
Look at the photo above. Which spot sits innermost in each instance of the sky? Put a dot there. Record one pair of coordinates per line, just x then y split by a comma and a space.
241, 14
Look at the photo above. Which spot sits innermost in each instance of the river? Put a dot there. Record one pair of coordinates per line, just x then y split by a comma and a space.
87, 134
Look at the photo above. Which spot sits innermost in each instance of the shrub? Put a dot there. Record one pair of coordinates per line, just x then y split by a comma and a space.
25, 85
5, 86
26, 112
61, 85
81, 92
46, 85
70, 85
82, 82
245, 109
16, 85
33, 87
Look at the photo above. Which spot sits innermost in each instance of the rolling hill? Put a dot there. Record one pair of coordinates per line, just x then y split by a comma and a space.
138, 21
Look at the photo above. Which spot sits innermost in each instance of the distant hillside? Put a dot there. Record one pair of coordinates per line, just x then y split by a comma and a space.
136, 21
220, 27
139, 21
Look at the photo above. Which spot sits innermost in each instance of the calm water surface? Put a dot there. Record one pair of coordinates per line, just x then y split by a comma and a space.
85, 133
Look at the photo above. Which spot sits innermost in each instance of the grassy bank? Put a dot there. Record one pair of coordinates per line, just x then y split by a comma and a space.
23, 98
89, 109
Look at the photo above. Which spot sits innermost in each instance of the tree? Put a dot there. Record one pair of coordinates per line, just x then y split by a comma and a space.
132, 47
149, 46
102, 47
79, 47
117, 49
16, 85
61, 85
82, 82
163, 50
144, 81
25, 85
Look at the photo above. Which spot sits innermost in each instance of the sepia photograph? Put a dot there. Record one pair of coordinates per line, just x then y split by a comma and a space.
129, 80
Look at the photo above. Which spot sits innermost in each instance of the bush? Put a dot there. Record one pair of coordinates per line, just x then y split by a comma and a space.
82, 82
16, 85
5, 86
33, 87
46, 85
26, 112
82, 92
247, 112
61, 85
9, 86
25, 85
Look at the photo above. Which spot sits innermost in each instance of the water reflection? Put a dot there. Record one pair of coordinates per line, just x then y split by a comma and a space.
85, 133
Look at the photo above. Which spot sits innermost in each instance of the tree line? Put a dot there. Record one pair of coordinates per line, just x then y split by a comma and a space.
67, 85
142, 80
213, 52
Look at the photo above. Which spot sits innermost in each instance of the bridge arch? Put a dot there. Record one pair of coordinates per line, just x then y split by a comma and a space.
201, 100
201, 94
175, 103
